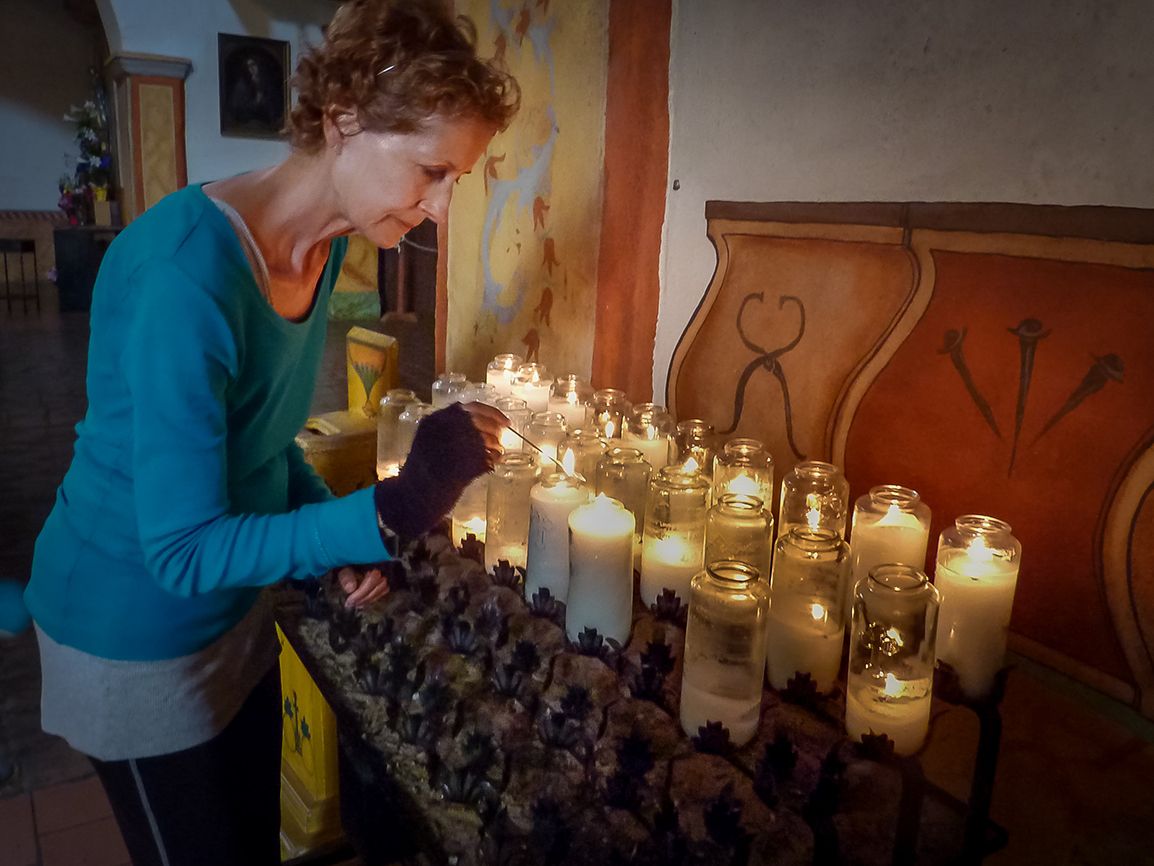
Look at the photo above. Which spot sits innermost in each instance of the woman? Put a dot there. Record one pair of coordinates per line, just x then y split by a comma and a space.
187, 494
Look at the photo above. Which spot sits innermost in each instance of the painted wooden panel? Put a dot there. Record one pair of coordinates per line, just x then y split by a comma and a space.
524, 228
996, 358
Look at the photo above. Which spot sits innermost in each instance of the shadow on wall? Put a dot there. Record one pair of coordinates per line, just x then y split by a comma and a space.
256, 16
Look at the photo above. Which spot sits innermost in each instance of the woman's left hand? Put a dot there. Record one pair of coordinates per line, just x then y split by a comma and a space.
363, 588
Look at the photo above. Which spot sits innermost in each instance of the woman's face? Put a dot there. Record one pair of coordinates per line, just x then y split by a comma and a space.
386, 183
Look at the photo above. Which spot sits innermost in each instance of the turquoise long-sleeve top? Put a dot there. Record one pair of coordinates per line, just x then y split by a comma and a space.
186, 492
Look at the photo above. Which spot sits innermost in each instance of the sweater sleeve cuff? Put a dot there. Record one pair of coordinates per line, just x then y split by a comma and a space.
346, 530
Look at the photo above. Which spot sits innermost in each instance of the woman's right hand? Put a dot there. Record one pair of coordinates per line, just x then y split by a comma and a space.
452, 446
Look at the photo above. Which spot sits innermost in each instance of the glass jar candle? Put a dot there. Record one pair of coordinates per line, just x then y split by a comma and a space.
447, 387
546, 430
623, 474
551, 501
739, 528
693, 440
515, 409
977, 573
468, 515
891, 657
724, 650
389, 456
533, 384
479, 392
890, 524
600, 570
501, 372
814, 495
570, 395
649, 429
744, 467
407, 422
610, 406
673, 546
507, 512
807, 610
580, 452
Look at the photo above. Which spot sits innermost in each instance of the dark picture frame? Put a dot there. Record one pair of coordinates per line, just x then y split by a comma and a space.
254, 89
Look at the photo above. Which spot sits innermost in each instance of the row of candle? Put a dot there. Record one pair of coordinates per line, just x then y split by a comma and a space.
675, 533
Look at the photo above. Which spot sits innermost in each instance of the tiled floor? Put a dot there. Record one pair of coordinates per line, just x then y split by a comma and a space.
1076, 777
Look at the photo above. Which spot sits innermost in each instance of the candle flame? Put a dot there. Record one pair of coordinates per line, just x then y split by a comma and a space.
569, 461
475, 525
894, 688
610, 429
978, 551
690, 466
650, 431
510, 441
571, 398
813, 511
743, 484
895, 635
817, 611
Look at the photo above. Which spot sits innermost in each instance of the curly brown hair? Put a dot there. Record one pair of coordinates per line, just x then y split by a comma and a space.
396, 63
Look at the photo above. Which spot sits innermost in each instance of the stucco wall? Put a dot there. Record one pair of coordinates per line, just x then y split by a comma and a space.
1041, 102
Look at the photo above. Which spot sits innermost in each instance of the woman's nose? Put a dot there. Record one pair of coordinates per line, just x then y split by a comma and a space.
436, 204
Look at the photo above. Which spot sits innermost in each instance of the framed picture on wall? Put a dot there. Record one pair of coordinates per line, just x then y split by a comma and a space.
254, 90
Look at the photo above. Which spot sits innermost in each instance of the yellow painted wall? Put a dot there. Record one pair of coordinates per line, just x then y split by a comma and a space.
524, 227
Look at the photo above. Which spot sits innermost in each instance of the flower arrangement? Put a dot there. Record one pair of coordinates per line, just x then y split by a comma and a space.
93, 174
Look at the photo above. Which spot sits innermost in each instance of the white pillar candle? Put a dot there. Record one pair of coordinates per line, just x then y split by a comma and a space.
803, 640
669, 563
600, 570
535, 394
654, 448
571, 409
977, 590
501, 372
900, 709
551, 501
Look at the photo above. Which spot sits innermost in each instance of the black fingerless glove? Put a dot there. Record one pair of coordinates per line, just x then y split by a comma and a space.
448, 452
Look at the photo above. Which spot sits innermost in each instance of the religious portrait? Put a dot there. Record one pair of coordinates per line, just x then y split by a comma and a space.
253, 85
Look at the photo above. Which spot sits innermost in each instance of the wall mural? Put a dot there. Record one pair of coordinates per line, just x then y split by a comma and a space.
524, 228
998, 372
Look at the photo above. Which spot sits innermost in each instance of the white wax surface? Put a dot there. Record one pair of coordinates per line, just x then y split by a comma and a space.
535, 394
462, 528
572, 411
502, 380
905, 719
547, 559
700, 703
514, 553
801, 644
600, 570
977, 599
902, 539
669, 563
745, 484
655, 451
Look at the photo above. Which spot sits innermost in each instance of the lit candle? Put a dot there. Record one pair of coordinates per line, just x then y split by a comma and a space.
744, 484
532, 384
388, 469
470, 526
501, 372
653, 445
570, 396
600, 570
900, 709
469, 514
551, 501
805, 640
890, 524
977, 573
669, 562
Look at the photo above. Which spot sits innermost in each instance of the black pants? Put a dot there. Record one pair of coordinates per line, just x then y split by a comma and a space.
216, 804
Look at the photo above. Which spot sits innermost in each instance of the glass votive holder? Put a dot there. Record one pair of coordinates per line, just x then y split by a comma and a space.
814, 495
739, 528
977, 574
551, 501
469, 513
407, 422
501, 372
580, 451
744, 467
570, 395
447, 387
649, 429
507, 511
807, 610
609, 408
724, 650
546, 430
519, 416
890, 524
479, 392
389, 456
891, 657
693, 440
533, 384
673, 544
623, 474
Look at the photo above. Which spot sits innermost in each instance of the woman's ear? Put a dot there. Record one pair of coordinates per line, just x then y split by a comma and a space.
339, 124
